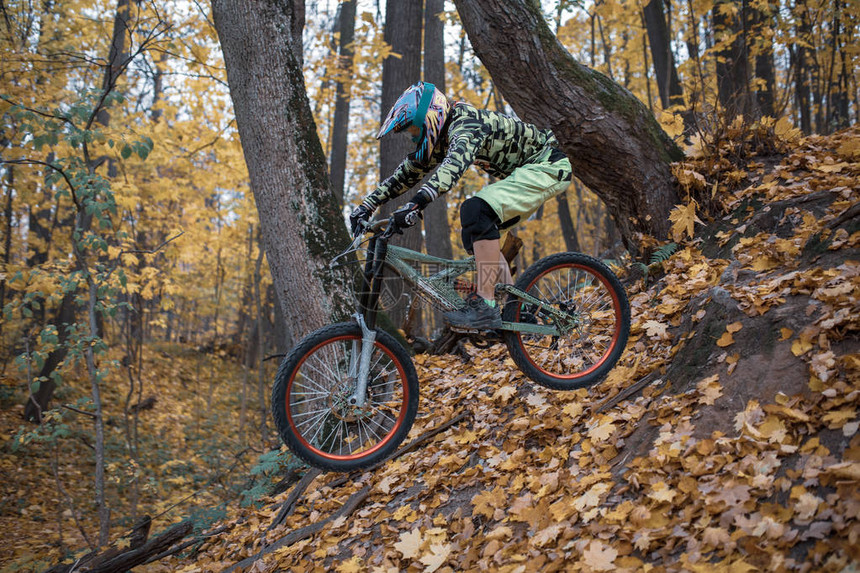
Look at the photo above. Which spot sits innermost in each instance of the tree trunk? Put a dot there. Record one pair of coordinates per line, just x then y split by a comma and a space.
568, 230
732, 66
7, 238
340, 128
799, 61
437, 231
668, 84
403, 20
302, 225
763, 19
614, 143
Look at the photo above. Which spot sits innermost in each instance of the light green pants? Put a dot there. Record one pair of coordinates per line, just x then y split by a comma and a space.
521, 193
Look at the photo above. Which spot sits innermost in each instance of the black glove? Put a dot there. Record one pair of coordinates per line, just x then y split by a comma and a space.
406, 216
359, 215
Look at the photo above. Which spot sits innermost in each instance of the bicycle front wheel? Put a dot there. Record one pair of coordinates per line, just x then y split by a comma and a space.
312, 392
592, 297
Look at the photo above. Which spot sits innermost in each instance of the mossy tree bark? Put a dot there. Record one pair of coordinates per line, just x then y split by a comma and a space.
301, 222
614, 143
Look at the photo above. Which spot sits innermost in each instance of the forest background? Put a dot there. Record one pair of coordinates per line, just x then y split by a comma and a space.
133, 278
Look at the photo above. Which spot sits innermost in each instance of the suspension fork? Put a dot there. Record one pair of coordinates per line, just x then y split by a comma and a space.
359, 367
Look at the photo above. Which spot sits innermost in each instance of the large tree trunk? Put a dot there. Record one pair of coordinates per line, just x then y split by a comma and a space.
436, 228
301, 223
668, 83
614, 143
340, 128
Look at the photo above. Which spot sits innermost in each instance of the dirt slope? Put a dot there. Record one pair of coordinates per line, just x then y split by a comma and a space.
740, 452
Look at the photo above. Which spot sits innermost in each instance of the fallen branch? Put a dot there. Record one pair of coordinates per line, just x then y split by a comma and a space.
112, 562
304, 532
628, 392
425, 437
849, 213
291, 500
177, 548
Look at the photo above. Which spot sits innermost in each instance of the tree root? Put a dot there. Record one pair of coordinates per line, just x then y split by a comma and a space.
290, 502
304, 532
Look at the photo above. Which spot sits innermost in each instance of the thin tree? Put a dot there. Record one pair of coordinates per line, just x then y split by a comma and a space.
340, 126
732, 58
668, 83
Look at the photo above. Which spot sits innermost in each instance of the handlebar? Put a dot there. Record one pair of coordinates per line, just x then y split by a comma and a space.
383, 227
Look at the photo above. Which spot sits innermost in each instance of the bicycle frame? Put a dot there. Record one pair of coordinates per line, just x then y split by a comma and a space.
438, 286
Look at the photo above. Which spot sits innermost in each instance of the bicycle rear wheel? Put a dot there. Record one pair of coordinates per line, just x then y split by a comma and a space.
593, 297
310, 399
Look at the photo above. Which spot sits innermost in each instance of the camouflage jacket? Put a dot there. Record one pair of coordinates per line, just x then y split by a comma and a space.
493, 141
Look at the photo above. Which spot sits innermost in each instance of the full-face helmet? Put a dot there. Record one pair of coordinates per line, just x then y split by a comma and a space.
423, 106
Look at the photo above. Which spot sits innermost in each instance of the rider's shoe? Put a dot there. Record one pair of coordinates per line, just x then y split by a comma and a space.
477, 315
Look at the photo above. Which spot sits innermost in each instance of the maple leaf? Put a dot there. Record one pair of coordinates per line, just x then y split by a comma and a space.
591, 498
600, 557
655, 329
505, 393
734, 495
547, 534
642, 539
573, 409
437, 556
683, 218
807, 505
536, 400
486, 502
710, 389
601, 432
662, 492
409, 544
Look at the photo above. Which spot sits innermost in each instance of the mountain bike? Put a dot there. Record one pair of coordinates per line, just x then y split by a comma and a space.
346, 395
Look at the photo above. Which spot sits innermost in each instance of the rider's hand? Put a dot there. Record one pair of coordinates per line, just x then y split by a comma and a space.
406, 216
359, 215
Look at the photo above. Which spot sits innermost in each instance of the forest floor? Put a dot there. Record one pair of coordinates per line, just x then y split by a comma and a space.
738, 451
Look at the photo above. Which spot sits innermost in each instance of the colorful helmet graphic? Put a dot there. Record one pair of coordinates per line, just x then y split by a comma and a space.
423, 106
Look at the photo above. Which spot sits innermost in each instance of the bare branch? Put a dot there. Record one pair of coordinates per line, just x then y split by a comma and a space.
46, 164
81, 412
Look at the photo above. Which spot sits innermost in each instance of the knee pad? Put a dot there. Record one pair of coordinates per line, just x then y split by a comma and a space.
479, 222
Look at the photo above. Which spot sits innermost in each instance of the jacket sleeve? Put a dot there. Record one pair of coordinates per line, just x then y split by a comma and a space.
405, 177
464, 146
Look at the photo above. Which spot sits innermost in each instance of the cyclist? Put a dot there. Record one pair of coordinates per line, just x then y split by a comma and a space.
450, 136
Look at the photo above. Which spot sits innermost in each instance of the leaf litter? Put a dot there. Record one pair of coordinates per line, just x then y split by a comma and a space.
717, 464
